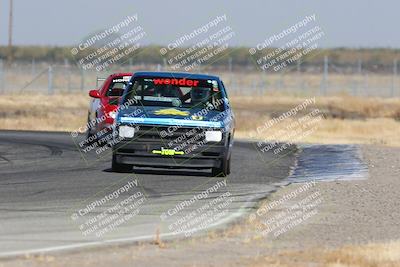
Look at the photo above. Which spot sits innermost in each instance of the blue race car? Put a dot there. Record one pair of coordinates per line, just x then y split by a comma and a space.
174, 120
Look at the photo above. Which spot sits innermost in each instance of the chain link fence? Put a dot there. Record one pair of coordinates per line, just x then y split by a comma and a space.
327, 79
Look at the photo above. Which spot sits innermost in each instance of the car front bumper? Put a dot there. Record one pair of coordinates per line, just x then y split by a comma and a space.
141, 154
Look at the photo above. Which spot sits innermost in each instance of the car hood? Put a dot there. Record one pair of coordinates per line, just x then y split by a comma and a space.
172, 116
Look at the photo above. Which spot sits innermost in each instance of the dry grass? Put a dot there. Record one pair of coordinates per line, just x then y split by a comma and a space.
347, 119
42, 112
344, 106
333, 131
371, 255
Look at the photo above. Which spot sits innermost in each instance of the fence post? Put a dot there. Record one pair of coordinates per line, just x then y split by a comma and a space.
50, 81
68, 73
280, 81
298, 68
130, 64
325, 77
33, 67
82, 79
394, 77
359, 70
1, 77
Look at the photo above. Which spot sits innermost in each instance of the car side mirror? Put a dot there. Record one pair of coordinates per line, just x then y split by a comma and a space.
94, 94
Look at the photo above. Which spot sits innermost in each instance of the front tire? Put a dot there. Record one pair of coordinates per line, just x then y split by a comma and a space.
120, 167
224, 170
89, 134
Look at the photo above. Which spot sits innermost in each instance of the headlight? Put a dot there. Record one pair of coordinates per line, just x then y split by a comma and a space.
126, 131
113, 114
213, 136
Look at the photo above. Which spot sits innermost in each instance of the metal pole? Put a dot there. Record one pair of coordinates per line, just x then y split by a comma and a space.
325, 77
130, 63
230, 71
50, 80
280, 81
359, 71
10, 26
33, 69
82, 79
165, 67
68, 73
394, 77
1, 77
298, 74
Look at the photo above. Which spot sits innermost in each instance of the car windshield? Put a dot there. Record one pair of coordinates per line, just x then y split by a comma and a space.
176, 92
117, 86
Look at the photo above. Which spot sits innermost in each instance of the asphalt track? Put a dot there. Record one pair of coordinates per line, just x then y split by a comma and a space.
46, 181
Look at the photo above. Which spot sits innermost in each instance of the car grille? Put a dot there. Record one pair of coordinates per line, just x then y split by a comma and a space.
149, 133
190, 140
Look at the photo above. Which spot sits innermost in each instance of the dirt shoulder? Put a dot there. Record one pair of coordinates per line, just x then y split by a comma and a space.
349, 215
353, 212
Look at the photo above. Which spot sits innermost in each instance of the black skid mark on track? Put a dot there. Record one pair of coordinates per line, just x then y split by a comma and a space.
5, 159
55, 151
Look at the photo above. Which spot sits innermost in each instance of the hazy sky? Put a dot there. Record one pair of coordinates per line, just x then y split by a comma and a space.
354, 23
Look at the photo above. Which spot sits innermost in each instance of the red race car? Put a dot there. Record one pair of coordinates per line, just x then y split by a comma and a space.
104, 103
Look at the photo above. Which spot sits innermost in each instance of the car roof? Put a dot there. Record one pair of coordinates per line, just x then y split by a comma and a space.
120, 74
178, 75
